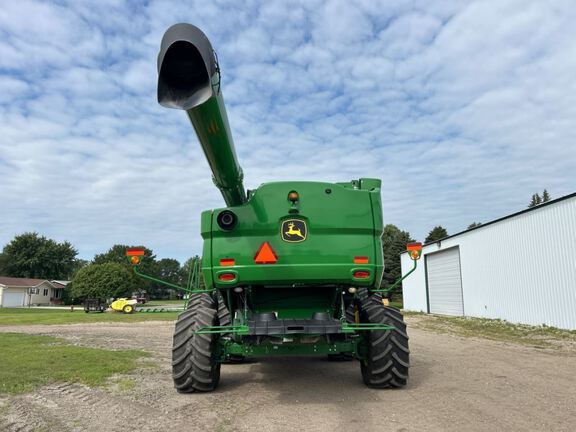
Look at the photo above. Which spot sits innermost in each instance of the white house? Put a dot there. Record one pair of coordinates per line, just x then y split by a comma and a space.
520, 268
18, 292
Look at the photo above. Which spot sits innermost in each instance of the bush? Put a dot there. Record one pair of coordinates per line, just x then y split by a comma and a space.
103, 280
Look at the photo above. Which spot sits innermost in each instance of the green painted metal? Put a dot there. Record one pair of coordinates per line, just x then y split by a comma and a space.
189, 79
341, 226
298, 347
160, 281
169, 284
324, 237
388, 291
353, 328
235, 329
211, 125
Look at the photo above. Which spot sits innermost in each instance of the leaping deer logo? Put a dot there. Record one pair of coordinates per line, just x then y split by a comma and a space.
292, 232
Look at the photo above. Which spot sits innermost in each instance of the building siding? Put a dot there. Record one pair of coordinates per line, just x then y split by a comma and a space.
521, 269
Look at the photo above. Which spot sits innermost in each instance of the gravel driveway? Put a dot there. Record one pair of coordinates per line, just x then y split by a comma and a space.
456, 384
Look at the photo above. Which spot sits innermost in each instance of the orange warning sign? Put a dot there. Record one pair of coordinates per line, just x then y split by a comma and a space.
265, 255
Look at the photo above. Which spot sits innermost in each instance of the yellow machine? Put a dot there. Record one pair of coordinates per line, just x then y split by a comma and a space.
124, 305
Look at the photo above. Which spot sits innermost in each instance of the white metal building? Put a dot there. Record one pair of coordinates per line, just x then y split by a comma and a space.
520, 268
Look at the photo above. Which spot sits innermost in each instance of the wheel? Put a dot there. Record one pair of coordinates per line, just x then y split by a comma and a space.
128, 309
194, 364
387, 361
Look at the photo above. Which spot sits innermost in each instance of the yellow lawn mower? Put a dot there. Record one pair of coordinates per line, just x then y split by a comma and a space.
125, 305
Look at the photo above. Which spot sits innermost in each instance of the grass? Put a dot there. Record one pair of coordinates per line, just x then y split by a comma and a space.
15, 316
499, 330
31, 361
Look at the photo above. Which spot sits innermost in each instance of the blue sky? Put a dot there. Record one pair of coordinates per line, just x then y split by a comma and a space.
463, 109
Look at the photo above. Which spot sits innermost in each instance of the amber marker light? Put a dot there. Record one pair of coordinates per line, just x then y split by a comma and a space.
227, 262
293, 196
135, 255
414, 250
361, 260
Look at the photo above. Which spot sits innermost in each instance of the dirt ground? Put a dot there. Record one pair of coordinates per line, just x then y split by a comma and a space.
456, 384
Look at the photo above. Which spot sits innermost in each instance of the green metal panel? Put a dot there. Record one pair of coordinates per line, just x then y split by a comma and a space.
211, 125
340, 227
315, 229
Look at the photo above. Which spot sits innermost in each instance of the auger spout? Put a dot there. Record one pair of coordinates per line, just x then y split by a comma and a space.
189, 79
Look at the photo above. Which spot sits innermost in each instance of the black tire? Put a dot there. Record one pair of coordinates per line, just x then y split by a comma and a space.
388, 360
194, 364
223, 312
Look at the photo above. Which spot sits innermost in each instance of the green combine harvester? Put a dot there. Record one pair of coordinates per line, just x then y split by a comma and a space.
291, 268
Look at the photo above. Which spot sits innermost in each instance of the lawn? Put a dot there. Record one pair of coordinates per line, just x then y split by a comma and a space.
174, 303
15, 316
31, 361
494, 329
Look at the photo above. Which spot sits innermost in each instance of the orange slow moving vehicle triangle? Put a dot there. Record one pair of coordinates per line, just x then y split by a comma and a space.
265, 255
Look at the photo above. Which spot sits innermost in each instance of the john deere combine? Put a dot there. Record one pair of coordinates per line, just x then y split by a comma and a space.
290, 268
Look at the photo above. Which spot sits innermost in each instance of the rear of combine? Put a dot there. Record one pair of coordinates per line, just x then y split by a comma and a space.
291, 268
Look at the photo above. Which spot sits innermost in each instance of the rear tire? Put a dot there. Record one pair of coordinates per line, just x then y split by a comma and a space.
194, 364
388, 358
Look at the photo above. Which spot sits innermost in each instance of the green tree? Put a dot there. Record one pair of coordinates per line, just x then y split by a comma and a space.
394, 243
102, 280
117, 254
536, 200
436, 234
166, 269
545, 196
474, 225
31, 255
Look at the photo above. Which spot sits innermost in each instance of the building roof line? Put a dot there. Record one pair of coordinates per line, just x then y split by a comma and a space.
482, 225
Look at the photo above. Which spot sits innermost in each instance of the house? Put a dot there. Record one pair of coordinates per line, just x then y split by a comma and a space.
18, 292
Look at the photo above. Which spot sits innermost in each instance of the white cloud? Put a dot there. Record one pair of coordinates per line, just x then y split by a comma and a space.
464, 111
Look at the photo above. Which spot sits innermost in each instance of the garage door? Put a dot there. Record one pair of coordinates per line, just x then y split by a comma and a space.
444, 282
12, 299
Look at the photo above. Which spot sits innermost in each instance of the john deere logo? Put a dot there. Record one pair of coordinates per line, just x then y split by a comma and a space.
294, 230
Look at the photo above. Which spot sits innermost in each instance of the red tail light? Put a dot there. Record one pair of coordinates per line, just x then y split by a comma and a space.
361, 274
227, 277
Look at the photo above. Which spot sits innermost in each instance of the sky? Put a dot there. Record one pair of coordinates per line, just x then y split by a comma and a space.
463, 109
